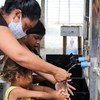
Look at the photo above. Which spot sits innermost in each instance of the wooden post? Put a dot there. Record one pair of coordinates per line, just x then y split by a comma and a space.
79, 45
64, 44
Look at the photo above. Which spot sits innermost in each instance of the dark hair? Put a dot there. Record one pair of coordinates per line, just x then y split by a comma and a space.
29, 8
39, 29
10, 70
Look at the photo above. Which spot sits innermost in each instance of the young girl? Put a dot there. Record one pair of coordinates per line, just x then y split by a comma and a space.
21, 85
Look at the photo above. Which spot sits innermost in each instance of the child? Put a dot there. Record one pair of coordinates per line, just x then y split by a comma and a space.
33, 38
21, 85
32, 42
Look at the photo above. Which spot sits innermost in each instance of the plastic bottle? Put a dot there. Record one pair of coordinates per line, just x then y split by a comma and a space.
71, 47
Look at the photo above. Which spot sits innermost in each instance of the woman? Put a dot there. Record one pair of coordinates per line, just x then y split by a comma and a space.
16, 16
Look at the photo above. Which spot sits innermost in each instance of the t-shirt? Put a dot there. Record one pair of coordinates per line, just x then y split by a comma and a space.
2, 21
8, 92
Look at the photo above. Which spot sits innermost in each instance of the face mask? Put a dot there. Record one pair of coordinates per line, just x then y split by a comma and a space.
16, 29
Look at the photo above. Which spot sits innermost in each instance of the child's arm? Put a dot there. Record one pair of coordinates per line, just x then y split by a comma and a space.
42, 88
20, 93
48, 77
60, 95
51, 78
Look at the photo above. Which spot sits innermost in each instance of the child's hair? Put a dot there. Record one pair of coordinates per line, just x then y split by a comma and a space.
10, 70
39, 29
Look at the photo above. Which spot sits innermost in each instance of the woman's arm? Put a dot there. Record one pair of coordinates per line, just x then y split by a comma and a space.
12, 48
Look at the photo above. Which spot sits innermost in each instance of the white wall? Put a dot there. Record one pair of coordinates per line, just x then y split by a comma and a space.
2, 2
57, 11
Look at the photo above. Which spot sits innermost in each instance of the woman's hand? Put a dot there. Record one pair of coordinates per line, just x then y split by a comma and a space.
61, 75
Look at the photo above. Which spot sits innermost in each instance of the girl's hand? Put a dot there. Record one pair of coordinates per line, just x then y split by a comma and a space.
61, 95
70, 88
65, 85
